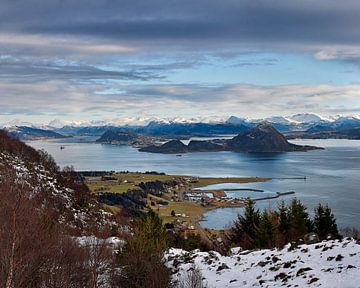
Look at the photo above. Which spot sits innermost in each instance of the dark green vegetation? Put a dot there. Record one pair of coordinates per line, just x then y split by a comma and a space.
276, 228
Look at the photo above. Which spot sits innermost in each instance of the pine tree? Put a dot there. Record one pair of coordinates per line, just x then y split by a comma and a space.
283, 214
244, 230
266, 232
283, 228
142, 259
325, 222
299, 220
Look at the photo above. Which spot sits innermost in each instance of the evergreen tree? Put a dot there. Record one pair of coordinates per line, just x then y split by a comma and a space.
266, 232
299, 220
282, 235
142, 259
283, 214
244, 230
325, 222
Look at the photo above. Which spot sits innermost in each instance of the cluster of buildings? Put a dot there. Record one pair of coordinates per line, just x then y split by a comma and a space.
207, 198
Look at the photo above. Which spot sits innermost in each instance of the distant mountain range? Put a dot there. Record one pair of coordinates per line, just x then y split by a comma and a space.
305, 125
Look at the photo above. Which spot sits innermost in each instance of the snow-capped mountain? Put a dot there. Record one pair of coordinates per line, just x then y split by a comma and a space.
237, 121
203, 126
281, 120
307, 118
18, 122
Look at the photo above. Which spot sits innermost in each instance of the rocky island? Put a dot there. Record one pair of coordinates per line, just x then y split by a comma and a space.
261, 138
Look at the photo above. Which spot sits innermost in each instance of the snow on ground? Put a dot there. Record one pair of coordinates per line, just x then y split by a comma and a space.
330, 264
113, 242
38, 179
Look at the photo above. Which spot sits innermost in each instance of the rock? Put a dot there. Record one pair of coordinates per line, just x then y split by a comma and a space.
311, 238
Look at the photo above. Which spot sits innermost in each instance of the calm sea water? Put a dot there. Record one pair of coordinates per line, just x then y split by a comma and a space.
332, 175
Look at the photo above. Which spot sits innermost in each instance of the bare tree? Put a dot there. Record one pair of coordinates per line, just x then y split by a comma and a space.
193, 279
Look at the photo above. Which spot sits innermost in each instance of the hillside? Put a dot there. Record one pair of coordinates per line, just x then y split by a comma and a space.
329, 264
119, 137
263, 138
60, 192
170, 147
30, 133
53, 231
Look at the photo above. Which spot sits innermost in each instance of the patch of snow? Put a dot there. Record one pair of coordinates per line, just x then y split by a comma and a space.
330, 264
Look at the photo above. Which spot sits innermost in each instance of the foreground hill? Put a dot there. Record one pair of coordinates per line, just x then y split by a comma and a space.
262, 138
329, 264
61, 193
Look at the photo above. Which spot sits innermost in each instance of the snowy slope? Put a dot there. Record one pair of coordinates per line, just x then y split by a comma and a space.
307, 118
330, 264
43, 184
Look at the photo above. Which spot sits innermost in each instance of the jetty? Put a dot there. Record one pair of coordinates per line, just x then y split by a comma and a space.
278, 194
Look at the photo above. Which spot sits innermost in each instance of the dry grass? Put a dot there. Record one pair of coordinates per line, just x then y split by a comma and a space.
211, 181
123, 182
193, 210
126, 181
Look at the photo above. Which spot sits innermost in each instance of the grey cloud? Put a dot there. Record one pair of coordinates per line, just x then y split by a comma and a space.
245, 21
38, 70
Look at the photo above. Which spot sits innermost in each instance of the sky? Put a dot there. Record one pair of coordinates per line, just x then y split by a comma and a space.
115, 59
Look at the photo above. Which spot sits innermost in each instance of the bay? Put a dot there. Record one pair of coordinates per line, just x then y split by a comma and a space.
332, 175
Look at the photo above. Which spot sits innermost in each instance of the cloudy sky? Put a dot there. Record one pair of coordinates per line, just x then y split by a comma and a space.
105, 59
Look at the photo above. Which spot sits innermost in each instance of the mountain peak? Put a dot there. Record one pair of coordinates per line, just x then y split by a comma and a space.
307, 118
263, 138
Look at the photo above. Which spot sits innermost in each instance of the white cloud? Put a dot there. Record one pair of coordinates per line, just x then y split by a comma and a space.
338, 53
59, 99
64, 44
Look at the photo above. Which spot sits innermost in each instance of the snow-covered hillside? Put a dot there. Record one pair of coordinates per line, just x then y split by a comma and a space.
43, 184
330, 264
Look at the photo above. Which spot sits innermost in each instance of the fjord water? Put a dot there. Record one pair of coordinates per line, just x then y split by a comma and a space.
332, 175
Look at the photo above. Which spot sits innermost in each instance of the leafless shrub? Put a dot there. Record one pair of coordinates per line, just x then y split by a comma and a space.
350, 232
193, 279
